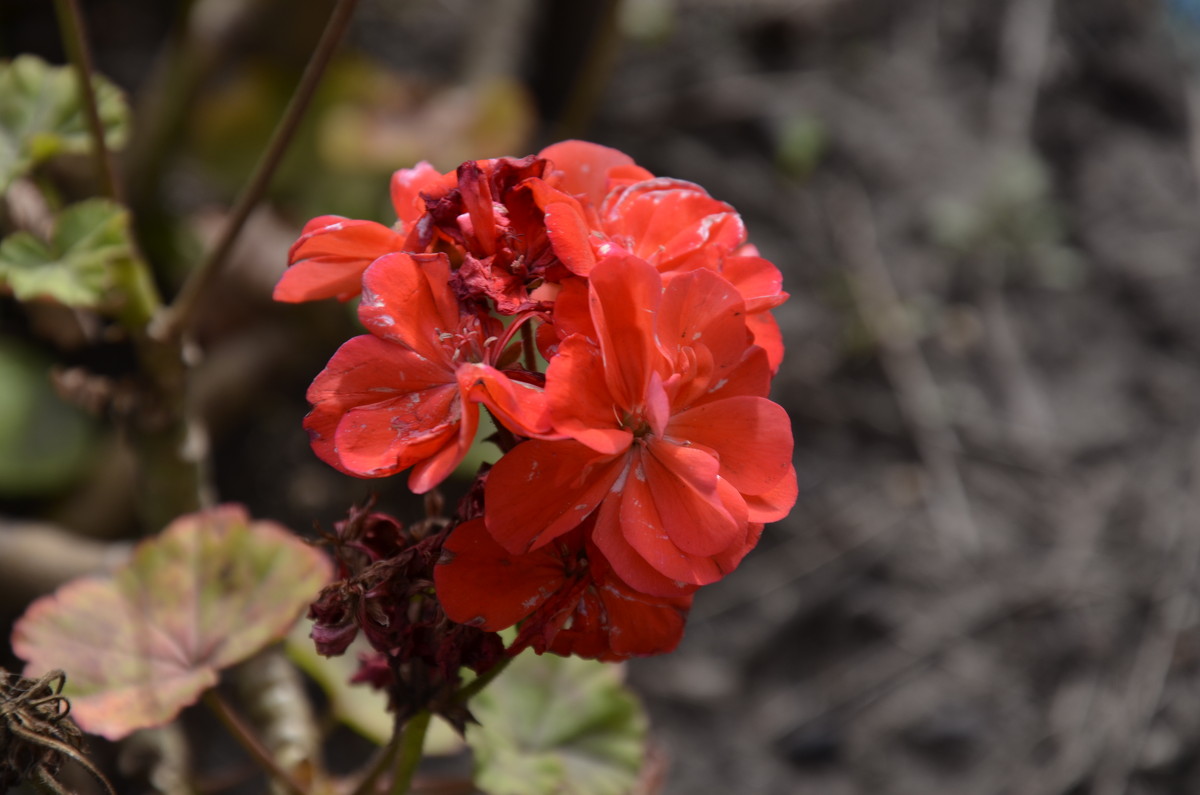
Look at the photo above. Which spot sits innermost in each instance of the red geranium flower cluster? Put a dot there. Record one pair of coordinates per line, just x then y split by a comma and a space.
645, 459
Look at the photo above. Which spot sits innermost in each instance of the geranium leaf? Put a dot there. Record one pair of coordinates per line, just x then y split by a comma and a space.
88, 251
209, 592
557, 725
41, 115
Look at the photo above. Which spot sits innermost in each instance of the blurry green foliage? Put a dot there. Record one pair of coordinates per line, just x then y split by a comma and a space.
557, 726
41, 115
802, 143
45, 443
1014, 218
88, 260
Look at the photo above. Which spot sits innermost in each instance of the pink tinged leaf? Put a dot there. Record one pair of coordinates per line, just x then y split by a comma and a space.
541, 489
752, 436
481, 584
407, 299
624, 296
330, 256
407, 186
211, 591
580, 404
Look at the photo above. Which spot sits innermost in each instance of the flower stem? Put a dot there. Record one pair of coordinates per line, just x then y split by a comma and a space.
242, 733
412, 742
73, 31
179, 315
469, 690
528, 349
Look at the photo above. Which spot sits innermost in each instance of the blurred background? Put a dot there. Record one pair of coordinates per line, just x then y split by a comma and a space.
986, 212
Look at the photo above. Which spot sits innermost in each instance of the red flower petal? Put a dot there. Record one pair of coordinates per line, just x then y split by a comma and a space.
541, 489
481, 584
758, 280
663, 220
624, 296
384, 438
571, 238
408, 185
640, 625
767, 336
578, 397
640, 573
775, 504
582, 168
330, 256
518, 406
751, 435
407, 299
366, 371
683, 484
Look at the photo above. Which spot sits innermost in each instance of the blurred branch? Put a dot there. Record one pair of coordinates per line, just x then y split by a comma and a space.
879, 303
179, 315
250, 742
1024, 47
74, 37
36, 558
275, 702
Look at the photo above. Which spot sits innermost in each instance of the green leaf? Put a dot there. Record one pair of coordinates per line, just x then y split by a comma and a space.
41, 115
211, 591
45, 443
559, 726
89, 245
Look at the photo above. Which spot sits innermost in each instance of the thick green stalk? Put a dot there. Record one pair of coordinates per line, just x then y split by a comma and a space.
412, 743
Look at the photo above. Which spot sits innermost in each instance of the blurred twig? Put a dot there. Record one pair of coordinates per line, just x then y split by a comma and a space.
854, 234
36, 557
74, 36
1024, 48
179, 315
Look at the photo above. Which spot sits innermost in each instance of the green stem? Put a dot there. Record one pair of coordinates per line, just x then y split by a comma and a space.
472, 688
179, 315
242, 733
73, 31
412, 743
528, 350
383, 760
